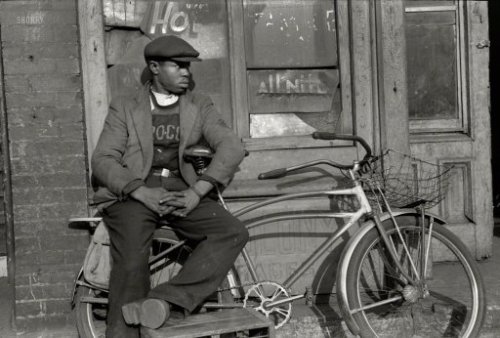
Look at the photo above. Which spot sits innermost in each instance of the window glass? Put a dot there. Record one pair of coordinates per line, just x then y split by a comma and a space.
432, 65
292, 67
202, 23
293, 102
290, 33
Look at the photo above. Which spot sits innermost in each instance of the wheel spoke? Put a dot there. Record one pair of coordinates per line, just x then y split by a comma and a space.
282, 312
428, 307
377, 304
427, 250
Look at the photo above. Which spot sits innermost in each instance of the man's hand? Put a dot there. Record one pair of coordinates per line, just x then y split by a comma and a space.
190, 200
192, 197
159, 200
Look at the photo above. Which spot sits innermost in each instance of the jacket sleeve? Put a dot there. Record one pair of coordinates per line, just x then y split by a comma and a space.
229, 149
108, 167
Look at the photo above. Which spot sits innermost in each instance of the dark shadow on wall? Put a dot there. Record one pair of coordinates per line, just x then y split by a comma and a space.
494, 13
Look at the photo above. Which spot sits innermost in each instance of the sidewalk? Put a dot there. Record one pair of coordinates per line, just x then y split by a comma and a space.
307, 322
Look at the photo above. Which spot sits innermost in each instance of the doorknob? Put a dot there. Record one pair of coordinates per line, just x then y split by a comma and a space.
483, 44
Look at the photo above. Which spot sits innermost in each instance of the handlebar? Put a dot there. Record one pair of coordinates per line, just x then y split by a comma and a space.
322, 135
277, 173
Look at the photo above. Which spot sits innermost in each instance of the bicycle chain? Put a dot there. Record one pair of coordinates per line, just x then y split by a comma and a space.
239, 286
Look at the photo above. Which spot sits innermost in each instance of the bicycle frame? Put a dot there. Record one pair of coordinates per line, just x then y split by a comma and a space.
356, 191
364, 209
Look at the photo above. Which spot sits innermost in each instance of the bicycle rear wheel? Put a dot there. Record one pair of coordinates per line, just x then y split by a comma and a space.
91, 304
384, 303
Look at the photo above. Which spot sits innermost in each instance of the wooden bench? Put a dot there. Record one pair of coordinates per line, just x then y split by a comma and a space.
238, 322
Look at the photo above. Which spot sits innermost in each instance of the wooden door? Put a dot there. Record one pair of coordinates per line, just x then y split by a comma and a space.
448, 108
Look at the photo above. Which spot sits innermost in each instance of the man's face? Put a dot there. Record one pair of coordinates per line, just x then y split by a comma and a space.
170, 76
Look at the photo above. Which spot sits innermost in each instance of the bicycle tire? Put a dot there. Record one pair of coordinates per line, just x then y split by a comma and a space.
371, 278
91, 316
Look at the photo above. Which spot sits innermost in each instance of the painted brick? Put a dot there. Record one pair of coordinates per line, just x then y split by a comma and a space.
39, 148
26, 52
29, 274
58, 210
52, 257
42, 99
41, 66
46, 115
60, 243
43, 83
44, 105
47, 212
61, 274
47, 164
35, 17
65, 324
58, 132
32, 292
68, 180
65, 274
77, 256
58, 306
25, 212
40, 33
51, 227
42, 307
53, 132
31, 308
27, 258
27, 245
40, 5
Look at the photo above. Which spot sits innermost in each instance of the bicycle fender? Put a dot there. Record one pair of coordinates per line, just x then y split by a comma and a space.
75, 285
345, 258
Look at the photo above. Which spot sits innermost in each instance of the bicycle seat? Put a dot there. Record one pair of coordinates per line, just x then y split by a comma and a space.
196, 151
163, 231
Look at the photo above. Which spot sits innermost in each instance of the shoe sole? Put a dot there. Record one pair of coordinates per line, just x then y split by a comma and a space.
131, 313
154, 313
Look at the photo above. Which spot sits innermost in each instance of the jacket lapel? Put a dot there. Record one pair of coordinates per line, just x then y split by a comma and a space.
188, 117
143, 122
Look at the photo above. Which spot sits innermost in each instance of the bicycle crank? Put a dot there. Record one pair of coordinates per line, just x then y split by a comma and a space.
272, 300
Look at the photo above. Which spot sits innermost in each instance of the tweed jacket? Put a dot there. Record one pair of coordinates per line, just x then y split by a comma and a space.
124, 151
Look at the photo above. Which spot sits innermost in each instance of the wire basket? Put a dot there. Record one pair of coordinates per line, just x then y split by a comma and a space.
406, 181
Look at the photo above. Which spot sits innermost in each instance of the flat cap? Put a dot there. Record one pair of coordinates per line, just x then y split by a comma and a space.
170, 47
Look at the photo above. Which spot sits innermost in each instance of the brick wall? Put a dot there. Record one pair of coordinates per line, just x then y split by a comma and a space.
45, 121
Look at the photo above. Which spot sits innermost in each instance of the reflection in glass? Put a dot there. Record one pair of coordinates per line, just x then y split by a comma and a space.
432, 65
290, 33
292, 67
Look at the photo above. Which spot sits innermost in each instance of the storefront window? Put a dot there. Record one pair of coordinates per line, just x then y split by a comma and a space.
290, 50
292, 67
435, 65
202, 23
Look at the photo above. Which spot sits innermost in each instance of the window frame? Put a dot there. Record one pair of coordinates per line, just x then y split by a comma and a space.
239, 85
461, 123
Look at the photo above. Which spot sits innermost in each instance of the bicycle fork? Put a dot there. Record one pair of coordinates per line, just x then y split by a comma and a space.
410, 284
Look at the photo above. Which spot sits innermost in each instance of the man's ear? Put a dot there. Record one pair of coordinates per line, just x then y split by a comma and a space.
153, 67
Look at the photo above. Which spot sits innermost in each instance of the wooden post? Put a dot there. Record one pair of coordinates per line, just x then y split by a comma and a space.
392, 82
93, 69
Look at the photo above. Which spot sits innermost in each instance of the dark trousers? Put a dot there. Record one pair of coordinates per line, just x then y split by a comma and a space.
219, 237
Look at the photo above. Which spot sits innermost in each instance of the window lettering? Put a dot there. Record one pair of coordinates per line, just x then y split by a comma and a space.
285, 84
167, 16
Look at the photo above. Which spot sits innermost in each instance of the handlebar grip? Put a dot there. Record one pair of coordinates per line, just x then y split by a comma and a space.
323, 135
277, 173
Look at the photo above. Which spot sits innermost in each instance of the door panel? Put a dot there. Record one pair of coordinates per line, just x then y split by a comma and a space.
463, 140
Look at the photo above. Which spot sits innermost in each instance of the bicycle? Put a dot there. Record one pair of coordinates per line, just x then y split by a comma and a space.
390, 269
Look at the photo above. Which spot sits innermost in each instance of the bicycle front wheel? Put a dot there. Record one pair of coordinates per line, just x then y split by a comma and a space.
439, 293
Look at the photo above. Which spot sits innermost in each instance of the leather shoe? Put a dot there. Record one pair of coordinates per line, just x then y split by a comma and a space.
149, 312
